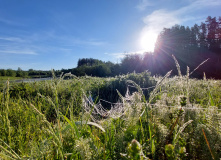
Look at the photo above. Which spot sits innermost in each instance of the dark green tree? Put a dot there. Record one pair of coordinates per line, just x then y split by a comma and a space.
212, 35
10, 73
2, 72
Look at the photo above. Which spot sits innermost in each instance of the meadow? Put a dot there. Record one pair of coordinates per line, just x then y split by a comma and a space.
133, 116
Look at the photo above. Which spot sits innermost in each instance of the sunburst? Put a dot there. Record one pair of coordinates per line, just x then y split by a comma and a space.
148, 40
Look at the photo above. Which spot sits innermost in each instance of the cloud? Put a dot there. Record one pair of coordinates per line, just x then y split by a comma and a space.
27, 52
43, 43
16, 45
123, 54
159, 19
91, 42
197, 5
116, 55
12, 39
66, 40
143, 4
163, 18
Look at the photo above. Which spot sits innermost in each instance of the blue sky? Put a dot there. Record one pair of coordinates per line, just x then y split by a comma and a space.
46, 34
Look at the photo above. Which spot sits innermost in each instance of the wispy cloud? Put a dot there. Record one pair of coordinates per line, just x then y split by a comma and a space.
43, 43
160, 19
120, 55
65, 40
197, 5
16, 45
12, 39
116, 55
27, 52
143, 4
91, 42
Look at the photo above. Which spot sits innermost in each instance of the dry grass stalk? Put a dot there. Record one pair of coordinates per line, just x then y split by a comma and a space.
208, 143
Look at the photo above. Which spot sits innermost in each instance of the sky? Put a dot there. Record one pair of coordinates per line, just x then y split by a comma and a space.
54, 34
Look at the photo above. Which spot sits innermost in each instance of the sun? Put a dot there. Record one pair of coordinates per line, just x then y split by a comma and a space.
148, 40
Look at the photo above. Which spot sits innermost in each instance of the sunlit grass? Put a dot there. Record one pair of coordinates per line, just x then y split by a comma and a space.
4, 78
57, 119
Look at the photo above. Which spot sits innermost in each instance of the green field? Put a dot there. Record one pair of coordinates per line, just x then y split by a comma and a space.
132, 116
5, 78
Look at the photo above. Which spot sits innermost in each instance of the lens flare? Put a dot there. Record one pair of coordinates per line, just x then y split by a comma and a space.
148, 40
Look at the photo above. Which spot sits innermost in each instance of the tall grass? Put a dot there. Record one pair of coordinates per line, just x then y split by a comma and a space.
70, 119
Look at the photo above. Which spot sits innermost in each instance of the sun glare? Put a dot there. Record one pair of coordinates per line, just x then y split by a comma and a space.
148, 40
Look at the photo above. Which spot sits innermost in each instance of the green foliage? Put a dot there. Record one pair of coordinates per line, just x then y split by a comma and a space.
2, 72
134, 150
169, 150
10, 73
89, 62
48, 119
108, 90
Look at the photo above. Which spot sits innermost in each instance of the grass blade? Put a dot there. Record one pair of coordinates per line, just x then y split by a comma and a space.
208, 144
73, 126
90, 123
211, 99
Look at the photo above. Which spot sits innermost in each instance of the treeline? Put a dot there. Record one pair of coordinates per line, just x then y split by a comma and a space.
94, 67
190, 46
130, 63
27, 74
